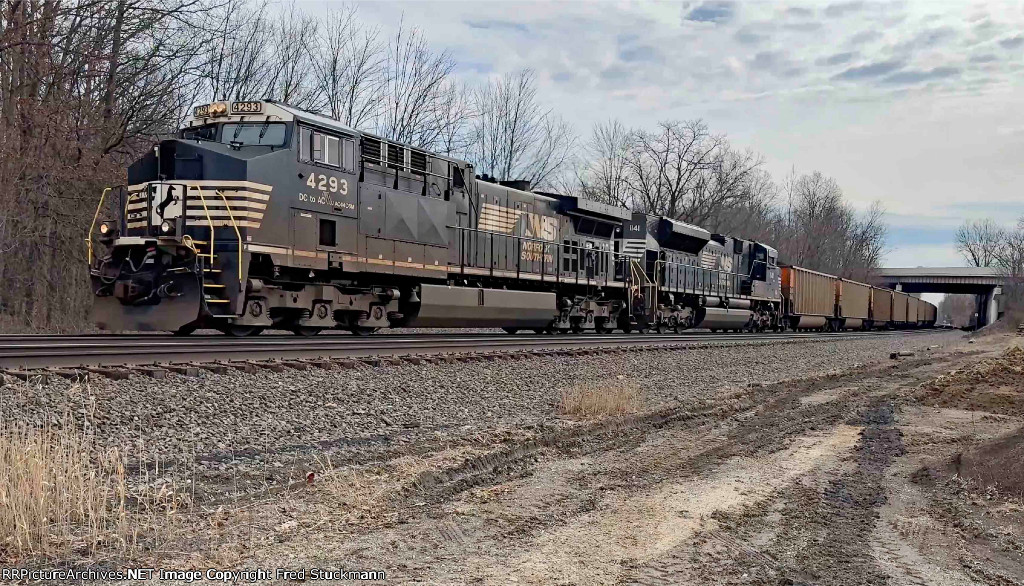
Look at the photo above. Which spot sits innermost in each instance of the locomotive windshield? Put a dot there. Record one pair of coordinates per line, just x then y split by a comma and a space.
248, 133
208, 132
240, 133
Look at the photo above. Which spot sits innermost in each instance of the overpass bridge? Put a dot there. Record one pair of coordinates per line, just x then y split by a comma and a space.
985, 283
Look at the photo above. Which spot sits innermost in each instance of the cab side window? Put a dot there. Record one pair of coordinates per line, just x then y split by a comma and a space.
325, 149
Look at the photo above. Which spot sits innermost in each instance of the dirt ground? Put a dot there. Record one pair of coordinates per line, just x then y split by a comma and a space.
900, 472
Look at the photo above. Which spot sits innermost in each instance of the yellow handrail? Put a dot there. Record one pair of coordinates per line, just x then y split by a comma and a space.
93, 225
209, 220
237, 234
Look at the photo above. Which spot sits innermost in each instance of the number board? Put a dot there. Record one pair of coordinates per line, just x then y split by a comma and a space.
246, 107
201, 111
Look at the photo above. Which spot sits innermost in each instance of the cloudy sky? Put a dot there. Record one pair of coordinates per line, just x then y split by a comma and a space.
917, 104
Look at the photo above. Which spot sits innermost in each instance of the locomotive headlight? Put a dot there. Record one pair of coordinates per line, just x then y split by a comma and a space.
167, 227
104, 229
218, 109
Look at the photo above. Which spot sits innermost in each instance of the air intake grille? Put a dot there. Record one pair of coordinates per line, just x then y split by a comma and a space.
418, 161
396, 156
371, 150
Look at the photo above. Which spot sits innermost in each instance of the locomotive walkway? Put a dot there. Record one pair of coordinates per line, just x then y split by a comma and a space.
150, 354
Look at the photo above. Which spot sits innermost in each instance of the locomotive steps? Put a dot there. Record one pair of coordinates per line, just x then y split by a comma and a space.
36, 358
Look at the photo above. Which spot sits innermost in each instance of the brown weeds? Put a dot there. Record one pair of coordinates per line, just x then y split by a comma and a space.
602, 399
54, 499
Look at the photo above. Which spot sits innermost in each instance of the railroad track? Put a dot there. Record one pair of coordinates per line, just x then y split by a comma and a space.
21, 353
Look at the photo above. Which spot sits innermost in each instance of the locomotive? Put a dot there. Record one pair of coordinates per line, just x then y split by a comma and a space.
261, 215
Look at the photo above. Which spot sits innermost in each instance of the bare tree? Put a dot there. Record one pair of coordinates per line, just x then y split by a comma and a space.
979, 242
664, 168
602, 175
958, 310
293, 35
456, 110
415, 90
725, 184
514, 137
347, 68
83, 87
239, 65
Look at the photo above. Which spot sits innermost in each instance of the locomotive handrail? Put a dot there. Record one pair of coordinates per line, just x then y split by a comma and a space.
706, 285
209, 220
401, 166
93, 225
237, 234
558, 255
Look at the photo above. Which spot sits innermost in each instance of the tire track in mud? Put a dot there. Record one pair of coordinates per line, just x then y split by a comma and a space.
776, 424
815, 531
757, 420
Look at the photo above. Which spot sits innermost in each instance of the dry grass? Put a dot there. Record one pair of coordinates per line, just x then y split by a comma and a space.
54, 499
592, 400
62, 498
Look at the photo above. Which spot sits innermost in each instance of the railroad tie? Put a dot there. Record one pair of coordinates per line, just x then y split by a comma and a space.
29, 376
245, 366
109, 372
78, 376
182, 369
295, 364
268, 365
214, 367
151, 371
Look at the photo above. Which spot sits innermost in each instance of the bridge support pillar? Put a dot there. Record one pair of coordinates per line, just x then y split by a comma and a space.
989, 306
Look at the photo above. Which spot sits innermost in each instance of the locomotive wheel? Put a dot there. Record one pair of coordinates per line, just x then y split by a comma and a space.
306, 331
362, 330
599, 327
576, 328
511, 331
241, 331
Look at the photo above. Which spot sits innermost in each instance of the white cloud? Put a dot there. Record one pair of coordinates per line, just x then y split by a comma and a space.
916, 104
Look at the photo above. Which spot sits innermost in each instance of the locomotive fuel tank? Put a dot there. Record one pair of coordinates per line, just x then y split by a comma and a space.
443, 306
721, 319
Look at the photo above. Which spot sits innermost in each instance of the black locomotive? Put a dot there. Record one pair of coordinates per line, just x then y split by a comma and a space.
260, 215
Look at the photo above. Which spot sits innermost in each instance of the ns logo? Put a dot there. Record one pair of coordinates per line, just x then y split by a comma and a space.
540, 227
